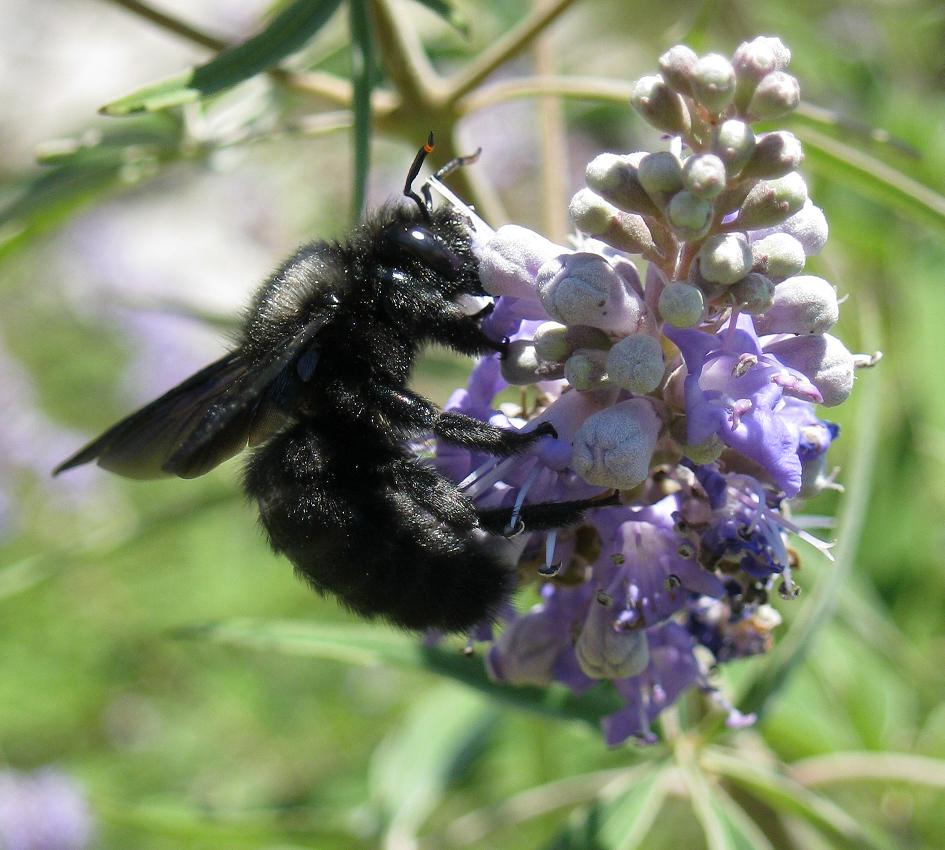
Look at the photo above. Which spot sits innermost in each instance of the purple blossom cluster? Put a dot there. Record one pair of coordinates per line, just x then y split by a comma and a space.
692, 390
43, 810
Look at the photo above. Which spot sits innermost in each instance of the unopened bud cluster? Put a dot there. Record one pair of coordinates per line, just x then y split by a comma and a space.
690, 387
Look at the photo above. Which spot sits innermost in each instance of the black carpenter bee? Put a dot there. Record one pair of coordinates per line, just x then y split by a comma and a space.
316, 385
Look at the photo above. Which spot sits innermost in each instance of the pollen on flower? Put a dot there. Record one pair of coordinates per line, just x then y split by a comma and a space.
681, 355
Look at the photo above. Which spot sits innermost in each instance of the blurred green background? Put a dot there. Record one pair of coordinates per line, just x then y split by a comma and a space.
124, 257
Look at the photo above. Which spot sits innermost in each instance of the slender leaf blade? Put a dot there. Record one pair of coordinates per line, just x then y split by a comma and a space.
286, 33
360, 644
618, 821
790, 797
413, 767
362, 77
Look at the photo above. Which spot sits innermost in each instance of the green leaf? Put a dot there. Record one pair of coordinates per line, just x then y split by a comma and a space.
793, 647
715, 823
839, 162
790, 797
450, 13
360, 644
618, 821
869, 767
79, 172
362, 77
413, 767
285, 34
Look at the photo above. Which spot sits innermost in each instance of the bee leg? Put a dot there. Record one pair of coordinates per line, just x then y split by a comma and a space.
409, 411
542, 516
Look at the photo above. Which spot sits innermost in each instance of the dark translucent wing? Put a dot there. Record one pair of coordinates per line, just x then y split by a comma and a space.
247, 411
139, 445
205, 420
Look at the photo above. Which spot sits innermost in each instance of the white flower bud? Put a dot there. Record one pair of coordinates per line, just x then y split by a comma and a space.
713, 82
660, 105
676, 66
613, 448
584, 289
770, 202
521, 365
635, 363
689, 215
586, 369
525, 651
725, 258
704, 175
681, 305
753, 61
775, 155
615, 179
779, 256
823, 359
551, 342
754, 293
510, 260
628, 232
660, 174
775, 96
734, 144
802, 305
605, 653
808, 226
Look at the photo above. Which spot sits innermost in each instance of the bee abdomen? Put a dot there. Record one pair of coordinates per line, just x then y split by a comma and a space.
394, 540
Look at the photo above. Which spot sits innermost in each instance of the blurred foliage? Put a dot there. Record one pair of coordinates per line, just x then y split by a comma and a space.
184, 737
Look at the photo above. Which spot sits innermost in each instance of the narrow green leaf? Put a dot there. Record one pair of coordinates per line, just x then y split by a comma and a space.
79, 172
361, 644
450, 13
618, 821
414, 765
790, 797
285, 34
709, 812
869, 767
872, 177
745, 832
793, 647
362, 78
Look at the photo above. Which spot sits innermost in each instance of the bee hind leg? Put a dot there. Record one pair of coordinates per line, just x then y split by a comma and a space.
541, 516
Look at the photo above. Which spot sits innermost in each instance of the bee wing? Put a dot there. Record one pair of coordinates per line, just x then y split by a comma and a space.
203, 421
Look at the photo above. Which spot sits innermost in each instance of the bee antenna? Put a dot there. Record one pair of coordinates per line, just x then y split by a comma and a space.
415, 166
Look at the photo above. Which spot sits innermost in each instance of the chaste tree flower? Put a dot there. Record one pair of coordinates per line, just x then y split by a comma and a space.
683, 357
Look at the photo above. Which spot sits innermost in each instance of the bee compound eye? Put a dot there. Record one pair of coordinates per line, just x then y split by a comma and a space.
425, 246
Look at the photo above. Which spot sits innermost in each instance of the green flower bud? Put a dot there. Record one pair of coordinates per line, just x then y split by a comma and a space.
660, 174
776, 95
778, 256
586, 368
676, 66
775, 155
754, 293
660, 105
635, 363
681, 305
734, 144
689, 215
802, 305
713, 82
704, 175
521, 365
591, 214
615, 179
772, 201
725, 258
551, 342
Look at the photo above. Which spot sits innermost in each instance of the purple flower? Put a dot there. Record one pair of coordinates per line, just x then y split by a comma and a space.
43, 810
